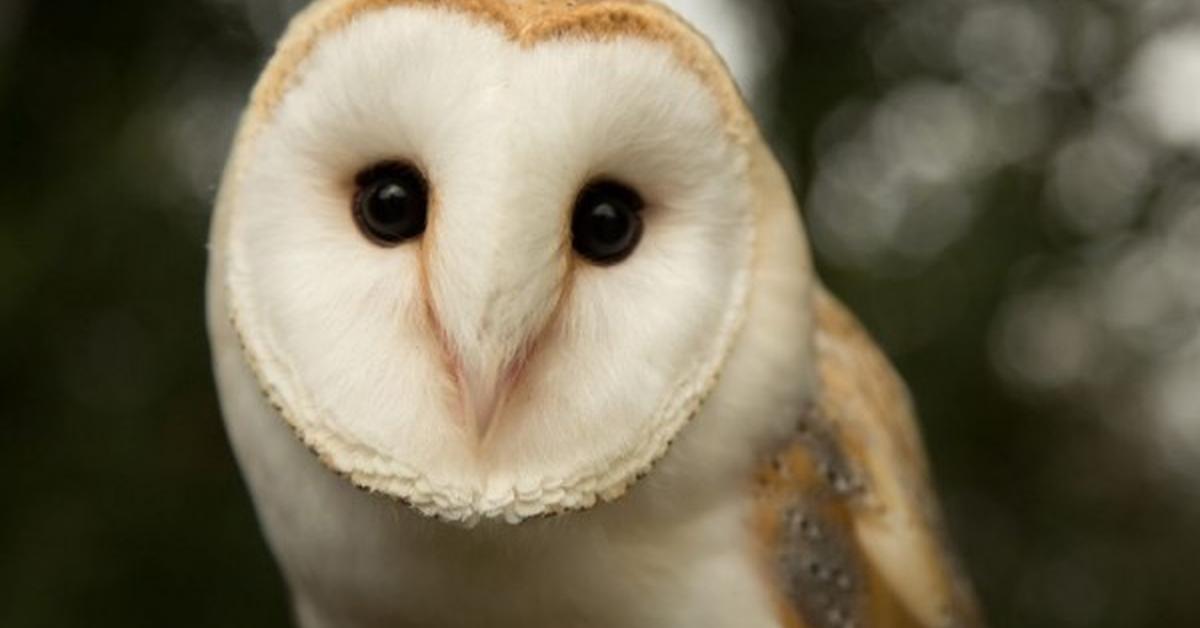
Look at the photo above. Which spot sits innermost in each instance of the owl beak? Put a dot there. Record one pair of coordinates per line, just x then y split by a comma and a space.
482, 395
484, 391
484, 371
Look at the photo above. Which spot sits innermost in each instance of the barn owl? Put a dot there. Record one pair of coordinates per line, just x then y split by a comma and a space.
514, 324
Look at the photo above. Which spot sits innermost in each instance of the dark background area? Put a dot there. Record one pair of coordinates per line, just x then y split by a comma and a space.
1049, 337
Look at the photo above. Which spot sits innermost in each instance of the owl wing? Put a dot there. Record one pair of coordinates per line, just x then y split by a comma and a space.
846, 508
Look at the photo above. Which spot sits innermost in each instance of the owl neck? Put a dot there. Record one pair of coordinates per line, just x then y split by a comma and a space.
604, 568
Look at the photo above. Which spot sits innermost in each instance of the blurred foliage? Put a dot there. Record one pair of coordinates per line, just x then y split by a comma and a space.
124, 504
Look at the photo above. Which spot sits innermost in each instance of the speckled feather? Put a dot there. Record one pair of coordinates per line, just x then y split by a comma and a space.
853, 478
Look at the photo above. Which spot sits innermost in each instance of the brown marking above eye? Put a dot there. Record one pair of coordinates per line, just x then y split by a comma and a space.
526, 24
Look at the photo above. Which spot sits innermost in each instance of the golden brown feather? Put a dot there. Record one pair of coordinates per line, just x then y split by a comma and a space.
850, 529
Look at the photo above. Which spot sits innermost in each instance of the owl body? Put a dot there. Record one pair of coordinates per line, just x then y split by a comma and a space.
514, 324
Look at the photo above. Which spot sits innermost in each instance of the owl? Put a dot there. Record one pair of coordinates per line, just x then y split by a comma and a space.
514, 324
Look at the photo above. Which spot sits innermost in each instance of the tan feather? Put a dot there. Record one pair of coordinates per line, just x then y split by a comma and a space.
846, 510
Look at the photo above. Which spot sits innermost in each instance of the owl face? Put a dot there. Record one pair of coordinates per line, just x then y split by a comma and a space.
487, 257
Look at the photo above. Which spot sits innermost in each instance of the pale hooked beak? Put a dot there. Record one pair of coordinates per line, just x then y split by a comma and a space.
483, 385
483, 391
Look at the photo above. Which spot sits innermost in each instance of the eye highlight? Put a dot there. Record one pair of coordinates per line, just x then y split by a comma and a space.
607, 225
391, 204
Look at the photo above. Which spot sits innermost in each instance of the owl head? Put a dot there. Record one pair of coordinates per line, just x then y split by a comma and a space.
493, 258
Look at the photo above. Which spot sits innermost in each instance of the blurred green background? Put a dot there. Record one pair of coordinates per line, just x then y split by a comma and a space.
1005, 191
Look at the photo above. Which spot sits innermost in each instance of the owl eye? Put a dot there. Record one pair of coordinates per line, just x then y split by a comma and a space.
607, 222
392, 203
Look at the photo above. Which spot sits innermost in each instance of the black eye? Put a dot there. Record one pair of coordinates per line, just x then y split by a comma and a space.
392, 203
607, 223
